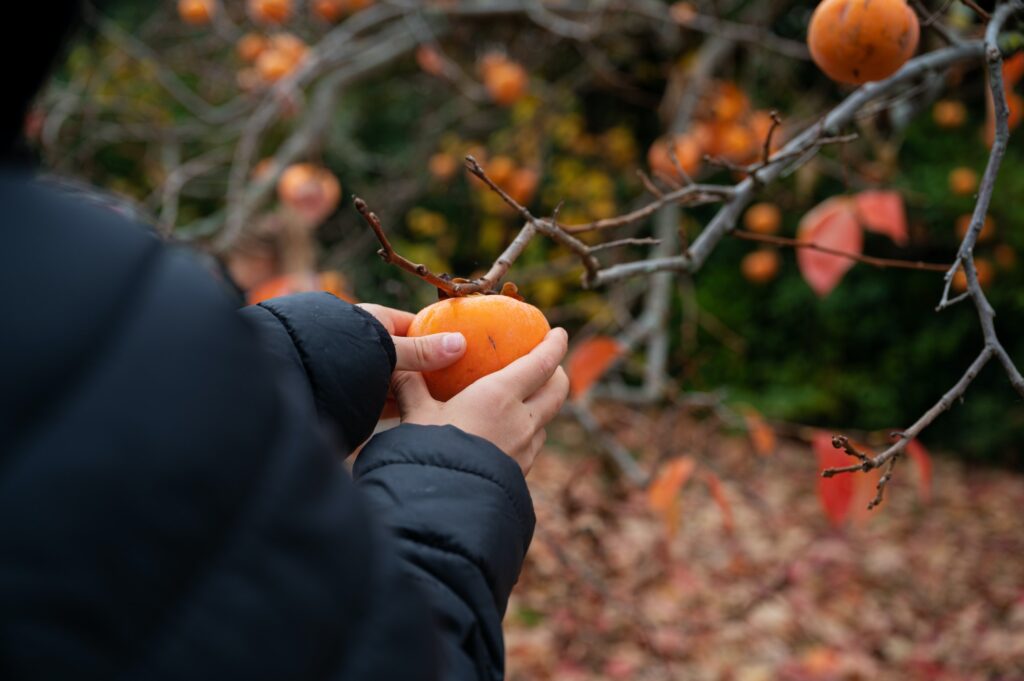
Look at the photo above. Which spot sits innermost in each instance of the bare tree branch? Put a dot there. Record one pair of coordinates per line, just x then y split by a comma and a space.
858, 257
965, 259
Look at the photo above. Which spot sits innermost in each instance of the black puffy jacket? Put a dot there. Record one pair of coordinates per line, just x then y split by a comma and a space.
171, 506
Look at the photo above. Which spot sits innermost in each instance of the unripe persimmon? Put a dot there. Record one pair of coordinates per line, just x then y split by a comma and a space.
760, 267
270, 11
195, 12
963, 181
763, 218
498, 329
856, 41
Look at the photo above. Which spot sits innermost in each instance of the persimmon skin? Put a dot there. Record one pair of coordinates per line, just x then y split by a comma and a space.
857, 41
498, 330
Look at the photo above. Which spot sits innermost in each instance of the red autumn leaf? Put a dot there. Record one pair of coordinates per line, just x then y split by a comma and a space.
882, 212
762, 437
832, 224
717, 490
663, 492
835, 493
923, 463
589, 361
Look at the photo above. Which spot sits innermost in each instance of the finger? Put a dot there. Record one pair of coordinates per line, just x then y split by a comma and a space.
428, 353
527, 374
401, 320
544, 404
410, 391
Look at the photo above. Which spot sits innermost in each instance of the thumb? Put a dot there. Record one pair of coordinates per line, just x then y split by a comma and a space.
428, 353
410, 391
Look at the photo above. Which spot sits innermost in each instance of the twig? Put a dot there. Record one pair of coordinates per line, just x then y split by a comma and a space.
859, 257
766, 153
546, 227
692, 195
985, 16
745, 33
842, 442
649, 184
882, 482
389, 255
931, 20
632, 241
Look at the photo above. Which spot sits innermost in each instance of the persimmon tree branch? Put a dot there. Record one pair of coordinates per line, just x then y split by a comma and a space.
992, 348
795, 153
858, 257
389, 255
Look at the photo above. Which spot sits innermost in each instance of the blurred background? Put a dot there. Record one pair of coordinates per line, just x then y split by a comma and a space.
683, 529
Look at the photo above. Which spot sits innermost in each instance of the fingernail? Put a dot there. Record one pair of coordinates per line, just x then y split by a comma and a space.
453, 342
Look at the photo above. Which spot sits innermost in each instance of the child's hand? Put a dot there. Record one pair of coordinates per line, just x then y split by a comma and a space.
509, 407
425, 353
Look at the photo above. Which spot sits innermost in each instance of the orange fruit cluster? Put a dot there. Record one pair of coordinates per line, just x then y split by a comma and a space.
726, 127
498, 329
272, 57
518, 181
856, 41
